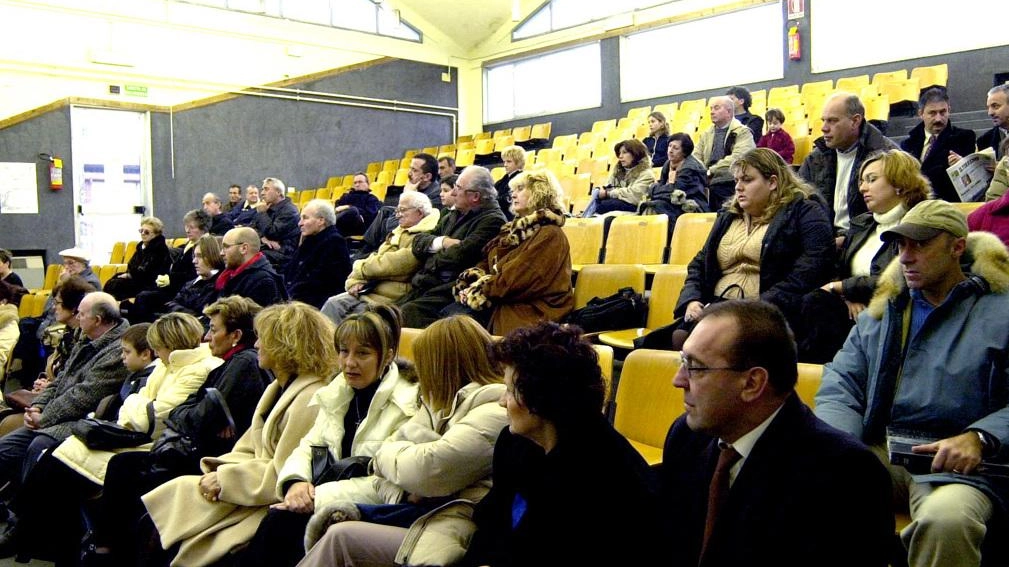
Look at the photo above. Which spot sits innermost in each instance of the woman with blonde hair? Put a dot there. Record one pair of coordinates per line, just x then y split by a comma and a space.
525, 276
891, 183
208, 517
514, 161
772, 241
629, 180
74, 472
151, 259
416, 508
373, 395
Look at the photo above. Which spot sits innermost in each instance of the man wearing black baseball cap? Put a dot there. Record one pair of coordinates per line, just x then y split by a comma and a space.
931, 354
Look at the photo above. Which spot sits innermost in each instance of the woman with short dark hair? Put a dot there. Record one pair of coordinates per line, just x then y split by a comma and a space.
628, 183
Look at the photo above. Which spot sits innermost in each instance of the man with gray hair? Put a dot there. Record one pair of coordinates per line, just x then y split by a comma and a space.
220, 222
277, 223
725, 142
384, 275
998, 110
321, 263
832, 167
93, 370
455, 244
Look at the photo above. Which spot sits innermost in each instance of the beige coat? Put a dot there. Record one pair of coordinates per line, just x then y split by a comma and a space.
9, 332
207, 530
393, 264
168, 386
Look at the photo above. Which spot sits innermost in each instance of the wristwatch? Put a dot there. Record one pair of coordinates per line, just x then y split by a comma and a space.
987, 443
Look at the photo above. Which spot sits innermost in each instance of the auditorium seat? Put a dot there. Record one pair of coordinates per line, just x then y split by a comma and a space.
390, 165
852, 84
602, 280
402, 177
634, 239
664, 292
885, 77
803, 146
563, 143
639, 113
131, 249
934, 76
808, 382
689, 234
324, 193
373, 168
541, 133
603, 126
585, 239
118, 251
502, 133
647, 403
464, 158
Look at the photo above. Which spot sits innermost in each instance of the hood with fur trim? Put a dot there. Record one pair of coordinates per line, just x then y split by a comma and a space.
986, 255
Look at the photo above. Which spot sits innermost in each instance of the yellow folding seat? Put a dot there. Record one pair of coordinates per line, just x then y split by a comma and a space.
647, 403
665, 291
603, 280
635, 239
585, 239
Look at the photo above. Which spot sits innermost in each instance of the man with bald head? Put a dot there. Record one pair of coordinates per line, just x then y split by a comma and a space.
93, 370
247, 272
221, 222
725, 142
832, 167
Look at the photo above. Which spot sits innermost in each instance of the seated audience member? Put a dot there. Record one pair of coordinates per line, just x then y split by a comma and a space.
525, 276
151, 259
993, 217
446, 166
74, 473
247, 272
930, 355
682, 184
277, 223
447, 187
891, 184
148, 304
206, 518
320, 265
833, 165
93, 370
657, 140
437, 465
9, 331
200, 292
719, 147
546, 464
234, 198
749, 475
365, 404
776, 137
994, 141
514, 158
629, 181
384, 276
381, 228
245, 213
7, 275
220, 222
423, 176
201, 425
937, 143
772, 241
357, 208
741, 100
455, 244
77, 261
1000, 177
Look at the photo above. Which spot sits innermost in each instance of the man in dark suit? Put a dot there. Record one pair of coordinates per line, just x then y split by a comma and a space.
787, 489
998, 110
937, 143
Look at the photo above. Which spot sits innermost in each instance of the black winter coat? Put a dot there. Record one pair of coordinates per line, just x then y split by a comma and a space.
319, 268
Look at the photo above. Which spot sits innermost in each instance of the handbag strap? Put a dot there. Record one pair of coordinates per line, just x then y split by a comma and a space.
215, 395
150, 418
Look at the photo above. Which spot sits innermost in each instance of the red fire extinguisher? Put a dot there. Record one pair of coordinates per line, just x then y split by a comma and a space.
794, 44
55, 171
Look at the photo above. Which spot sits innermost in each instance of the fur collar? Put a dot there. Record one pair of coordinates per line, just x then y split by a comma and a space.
987, 256
629, 175
523, 228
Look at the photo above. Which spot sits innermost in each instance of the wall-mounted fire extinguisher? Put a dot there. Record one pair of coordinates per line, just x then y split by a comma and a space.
55, 171
794, 44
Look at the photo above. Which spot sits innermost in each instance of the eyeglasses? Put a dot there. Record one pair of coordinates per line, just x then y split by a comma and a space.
145, 232
686, 366
404, 210
225, 246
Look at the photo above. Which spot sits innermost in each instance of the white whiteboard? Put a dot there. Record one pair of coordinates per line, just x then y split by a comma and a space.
857, 33
19, 190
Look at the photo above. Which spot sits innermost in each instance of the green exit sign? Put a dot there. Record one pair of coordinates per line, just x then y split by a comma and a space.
135, 90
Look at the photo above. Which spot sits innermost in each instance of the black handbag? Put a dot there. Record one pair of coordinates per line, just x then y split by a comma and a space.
103, 435
623, 310
327, 469
178, 452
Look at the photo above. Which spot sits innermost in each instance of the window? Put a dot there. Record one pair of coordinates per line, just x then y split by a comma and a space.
560, 14
703, 54
556, 82
359, 15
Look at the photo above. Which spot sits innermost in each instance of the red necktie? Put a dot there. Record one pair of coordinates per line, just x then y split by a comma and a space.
718, 491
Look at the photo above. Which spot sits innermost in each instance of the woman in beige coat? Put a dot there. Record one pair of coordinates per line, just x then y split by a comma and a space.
209, 516
432, 471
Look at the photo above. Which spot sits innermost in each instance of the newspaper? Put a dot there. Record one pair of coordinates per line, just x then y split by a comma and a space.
971, 177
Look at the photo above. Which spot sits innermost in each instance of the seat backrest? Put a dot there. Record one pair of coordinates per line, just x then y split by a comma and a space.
689, 235
635, 239
647, 403
541, 131
118, 250
465, 157
406, 338
603, 280
53, 274
106, 273
131, 249
484, 147
390, 165
39, 304
665, 291
852, 84
603, 126
325, 193
809, 382
585, 239
373, 168
605, 354
522, 133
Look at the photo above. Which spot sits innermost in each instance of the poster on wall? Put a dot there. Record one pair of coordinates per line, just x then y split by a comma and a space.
796, 9
19, 191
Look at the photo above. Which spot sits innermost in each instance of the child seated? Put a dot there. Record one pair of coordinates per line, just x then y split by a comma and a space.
776, 138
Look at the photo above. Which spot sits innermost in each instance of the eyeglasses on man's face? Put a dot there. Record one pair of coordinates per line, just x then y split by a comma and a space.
404, 210
687, 365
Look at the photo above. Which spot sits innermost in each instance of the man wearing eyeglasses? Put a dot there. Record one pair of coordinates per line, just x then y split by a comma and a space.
454, 245
247, 272
749, 476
